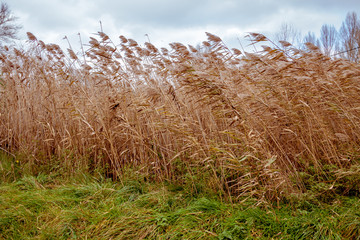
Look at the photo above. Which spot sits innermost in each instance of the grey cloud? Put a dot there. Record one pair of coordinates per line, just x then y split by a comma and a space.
54, 14
325, 5
63, 14
186, 13
138, 17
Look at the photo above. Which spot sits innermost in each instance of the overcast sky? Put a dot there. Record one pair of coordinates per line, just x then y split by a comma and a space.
168, 21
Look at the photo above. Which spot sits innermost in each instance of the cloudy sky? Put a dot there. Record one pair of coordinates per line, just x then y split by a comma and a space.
166, 21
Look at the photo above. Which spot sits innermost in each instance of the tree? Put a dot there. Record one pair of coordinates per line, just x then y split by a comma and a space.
288, 33
311, 38
8, 26
328, 38
350, 38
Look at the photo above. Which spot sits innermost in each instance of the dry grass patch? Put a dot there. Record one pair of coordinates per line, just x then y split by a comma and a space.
248, 122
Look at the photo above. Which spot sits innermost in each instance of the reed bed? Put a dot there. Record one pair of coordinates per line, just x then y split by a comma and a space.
247, 124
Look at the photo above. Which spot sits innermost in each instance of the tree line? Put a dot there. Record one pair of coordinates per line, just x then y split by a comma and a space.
343, 42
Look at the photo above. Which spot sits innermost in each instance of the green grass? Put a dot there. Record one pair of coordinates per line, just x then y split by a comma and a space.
43, 207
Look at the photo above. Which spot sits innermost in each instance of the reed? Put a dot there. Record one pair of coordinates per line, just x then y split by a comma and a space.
249, 123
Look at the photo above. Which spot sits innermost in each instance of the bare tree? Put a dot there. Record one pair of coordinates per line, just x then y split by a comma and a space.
328, 38
311, 38
8, 26
288, 33
350, 38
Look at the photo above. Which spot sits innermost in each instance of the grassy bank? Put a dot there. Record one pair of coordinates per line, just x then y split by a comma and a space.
54, 205
36, 208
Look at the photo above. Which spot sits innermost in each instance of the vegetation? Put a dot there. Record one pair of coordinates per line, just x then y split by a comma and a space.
8, 26
48, 206
130, 141
248, 124
344, 42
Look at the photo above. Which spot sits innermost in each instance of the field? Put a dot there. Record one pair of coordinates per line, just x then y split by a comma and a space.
125, 141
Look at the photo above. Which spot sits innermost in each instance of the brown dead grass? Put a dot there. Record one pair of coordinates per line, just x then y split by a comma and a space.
251, 120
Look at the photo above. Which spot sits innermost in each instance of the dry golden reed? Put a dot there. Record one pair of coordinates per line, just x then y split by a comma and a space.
253, 121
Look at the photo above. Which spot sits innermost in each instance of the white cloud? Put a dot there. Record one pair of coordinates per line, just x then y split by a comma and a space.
168, 21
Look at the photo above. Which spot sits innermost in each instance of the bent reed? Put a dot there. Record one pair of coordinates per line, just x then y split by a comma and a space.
246, 124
